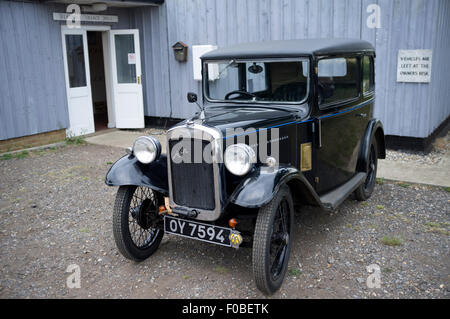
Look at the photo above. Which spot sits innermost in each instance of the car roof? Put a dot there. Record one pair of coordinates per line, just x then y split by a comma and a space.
289, 48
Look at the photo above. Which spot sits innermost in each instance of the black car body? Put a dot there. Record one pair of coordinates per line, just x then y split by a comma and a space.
311, 101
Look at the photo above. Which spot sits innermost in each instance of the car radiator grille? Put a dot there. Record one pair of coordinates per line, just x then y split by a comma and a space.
192, 183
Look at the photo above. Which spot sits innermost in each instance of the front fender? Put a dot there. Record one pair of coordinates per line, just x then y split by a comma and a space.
129, 171
262, 184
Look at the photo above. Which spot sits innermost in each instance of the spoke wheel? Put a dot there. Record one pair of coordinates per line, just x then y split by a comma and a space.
279, 239
136, 223
365, 190
272, 242
371, 170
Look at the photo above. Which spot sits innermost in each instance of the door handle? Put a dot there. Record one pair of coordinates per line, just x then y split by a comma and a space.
139, 79
363, 115
317, 132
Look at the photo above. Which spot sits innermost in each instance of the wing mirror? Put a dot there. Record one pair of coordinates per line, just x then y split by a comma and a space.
192, 97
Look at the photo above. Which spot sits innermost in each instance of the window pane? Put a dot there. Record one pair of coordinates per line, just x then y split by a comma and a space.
256, 77
222, 78
288, 81
333, 68
75, 60
367, 84
338, 79
125, 58
257, 81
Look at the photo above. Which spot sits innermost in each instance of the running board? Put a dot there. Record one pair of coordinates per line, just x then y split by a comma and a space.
334, 198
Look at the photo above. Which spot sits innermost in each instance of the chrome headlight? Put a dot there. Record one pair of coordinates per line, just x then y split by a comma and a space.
239, 159
146, 149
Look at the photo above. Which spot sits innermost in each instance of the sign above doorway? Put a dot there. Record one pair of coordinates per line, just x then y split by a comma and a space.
57, 16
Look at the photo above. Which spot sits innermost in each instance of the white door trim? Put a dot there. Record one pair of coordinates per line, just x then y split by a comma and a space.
108, 79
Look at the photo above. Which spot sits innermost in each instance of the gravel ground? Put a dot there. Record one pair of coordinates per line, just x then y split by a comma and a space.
56, 211
440, 147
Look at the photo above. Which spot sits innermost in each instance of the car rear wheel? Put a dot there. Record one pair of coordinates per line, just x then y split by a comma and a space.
365, 190
272, 242
136, 222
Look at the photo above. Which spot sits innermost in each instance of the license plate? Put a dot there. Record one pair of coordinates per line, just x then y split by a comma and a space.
204, 232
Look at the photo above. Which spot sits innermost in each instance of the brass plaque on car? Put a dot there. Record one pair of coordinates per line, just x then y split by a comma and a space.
305, 157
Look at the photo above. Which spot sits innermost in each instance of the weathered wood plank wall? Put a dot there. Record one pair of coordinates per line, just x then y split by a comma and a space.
406, 109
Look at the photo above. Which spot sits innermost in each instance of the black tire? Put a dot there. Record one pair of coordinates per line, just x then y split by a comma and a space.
269, 273
136, 210
365, 190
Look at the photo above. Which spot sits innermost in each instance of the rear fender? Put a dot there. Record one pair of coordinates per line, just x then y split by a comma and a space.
374, 132
129, 171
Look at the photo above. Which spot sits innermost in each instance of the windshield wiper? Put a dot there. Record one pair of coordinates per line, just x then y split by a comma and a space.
227, 66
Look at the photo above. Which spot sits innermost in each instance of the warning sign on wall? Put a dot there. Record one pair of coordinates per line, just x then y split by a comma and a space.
414, 66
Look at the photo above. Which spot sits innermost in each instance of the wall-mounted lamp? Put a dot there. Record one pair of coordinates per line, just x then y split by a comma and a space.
95, 7
180, 51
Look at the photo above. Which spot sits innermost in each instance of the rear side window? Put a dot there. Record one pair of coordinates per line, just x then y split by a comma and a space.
338, 80
368, 75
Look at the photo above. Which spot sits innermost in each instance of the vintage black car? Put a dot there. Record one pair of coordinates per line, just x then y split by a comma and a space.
282, 123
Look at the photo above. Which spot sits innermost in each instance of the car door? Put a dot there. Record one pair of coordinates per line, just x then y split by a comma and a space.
342, 114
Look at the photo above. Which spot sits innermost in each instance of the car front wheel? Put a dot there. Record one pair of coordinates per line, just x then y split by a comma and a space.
272, 241
136, 223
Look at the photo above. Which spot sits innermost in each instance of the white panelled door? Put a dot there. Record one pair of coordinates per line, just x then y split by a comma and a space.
126, 78
78, 83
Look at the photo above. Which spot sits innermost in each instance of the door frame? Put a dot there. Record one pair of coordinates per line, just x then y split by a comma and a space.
104, 29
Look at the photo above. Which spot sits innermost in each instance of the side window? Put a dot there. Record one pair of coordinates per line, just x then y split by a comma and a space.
338, 80
368, 75
256, 77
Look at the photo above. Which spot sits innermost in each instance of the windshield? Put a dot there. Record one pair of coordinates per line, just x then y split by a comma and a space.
257, 81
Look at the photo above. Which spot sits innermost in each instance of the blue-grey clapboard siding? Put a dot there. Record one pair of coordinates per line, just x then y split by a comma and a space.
228, 22
412, 109
406, 109
152, 25
32, 84
32, 89
439, 97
